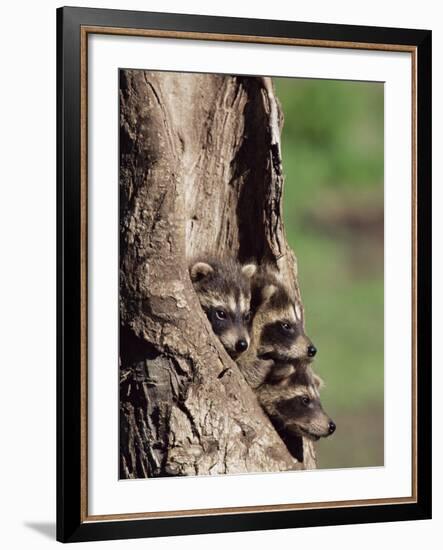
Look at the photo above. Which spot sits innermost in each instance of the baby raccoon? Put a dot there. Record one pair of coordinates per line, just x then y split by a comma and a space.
277, 365
223, 287
278, 339
294, 407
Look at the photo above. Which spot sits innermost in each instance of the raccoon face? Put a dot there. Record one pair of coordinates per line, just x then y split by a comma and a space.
223, 289
231, 325
285, 340
282, 337
303, 415
296, 409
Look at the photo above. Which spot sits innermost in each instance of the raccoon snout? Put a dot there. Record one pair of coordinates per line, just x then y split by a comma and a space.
312, 350
332, 427
241, 346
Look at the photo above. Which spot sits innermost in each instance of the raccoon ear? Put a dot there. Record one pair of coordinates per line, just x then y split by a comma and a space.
200, 270
267, 292
248, 270
318, 381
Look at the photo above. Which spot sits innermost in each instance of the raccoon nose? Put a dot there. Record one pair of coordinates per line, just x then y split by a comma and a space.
241, 345
332, 427
312, 350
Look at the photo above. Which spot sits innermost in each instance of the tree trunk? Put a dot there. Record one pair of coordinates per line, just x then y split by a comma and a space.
200, 172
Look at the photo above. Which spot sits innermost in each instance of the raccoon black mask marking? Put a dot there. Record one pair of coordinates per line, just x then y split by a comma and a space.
280, 333
223, 287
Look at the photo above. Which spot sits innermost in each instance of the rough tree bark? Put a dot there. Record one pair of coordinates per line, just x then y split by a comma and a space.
200, 172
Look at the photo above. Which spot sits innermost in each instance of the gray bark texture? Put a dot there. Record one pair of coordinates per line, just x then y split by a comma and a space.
200, 172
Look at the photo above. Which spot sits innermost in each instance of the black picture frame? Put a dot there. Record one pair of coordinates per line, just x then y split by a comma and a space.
71, 524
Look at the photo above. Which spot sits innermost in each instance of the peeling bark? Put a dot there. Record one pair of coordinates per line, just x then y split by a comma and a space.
200, 172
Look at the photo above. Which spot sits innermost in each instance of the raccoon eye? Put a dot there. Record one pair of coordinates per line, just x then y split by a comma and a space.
285, 326
248, 316
220, 314
305, 400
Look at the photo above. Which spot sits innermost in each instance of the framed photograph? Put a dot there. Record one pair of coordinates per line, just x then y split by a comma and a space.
244, 274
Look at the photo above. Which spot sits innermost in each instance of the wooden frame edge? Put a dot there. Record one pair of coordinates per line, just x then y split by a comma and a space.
85, 30
84, 274
414, 267
202, 512
272, 40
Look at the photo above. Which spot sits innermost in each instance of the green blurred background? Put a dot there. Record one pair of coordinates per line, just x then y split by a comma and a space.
333, 210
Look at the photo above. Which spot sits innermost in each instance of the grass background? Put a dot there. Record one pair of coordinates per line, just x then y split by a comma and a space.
332, 147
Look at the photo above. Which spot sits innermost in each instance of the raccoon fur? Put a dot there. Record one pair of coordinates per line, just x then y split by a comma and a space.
278, 339
294, 407
223, 287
